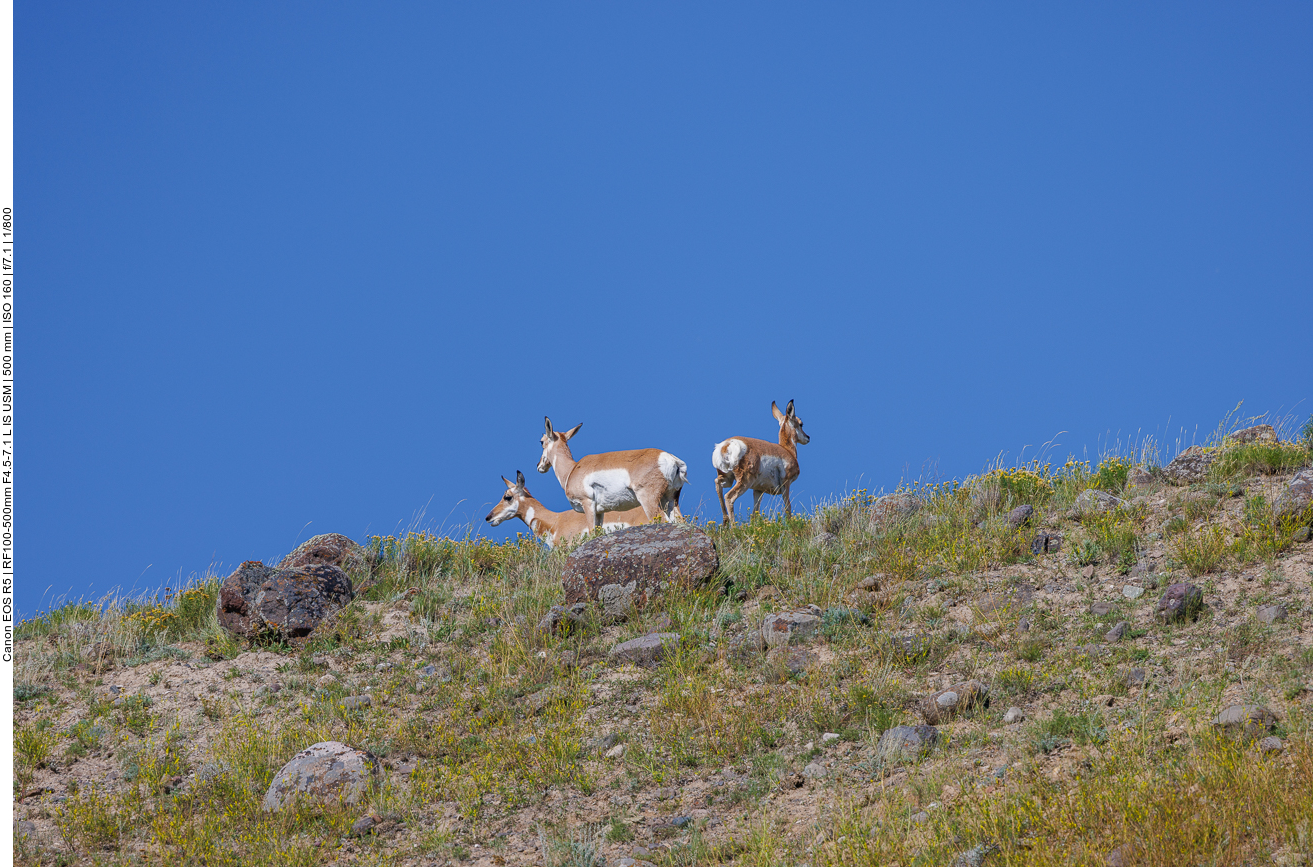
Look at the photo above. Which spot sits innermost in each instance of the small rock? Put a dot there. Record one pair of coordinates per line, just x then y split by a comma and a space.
357, 702
1272, 614
1138, 477
1245, 720
829, 738
975, 856
906, 742
871, 583
616, 752
1180, 601
767, 592
326, 681
564, 620
920, 818
681, 821
1190, 466
362, 826
1021, 515
948, 703
647, 651
1259, 433
383, 666
1101, 609
24, 828
814, 771
1046, 543
785, 662
1271, 745
1014, 715
787, 628
1130, 591
328, 772
1093, 500
1122, 856
1117, 632
1303, 534
825, 540
1134, 677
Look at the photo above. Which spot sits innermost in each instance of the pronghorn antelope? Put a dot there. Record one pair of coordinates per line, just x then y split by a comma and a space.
553, 527
764, 467
646, 478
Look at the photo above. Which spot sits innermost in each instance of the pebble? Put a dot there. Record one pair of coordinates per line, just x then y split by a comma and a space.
828, 738
616, 752
814, 771
1271, 745
1117, 632
1130, 591
357, 702
1272, 614
1014, 715
326, 681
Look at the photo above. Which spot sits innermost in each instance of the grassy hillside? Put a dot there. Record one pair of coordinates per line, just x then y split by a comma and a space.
146, 734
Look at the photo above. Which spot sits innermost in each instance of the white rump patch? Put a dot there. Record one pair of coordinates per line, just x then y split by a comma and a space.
675, 470
728, 455
611, 490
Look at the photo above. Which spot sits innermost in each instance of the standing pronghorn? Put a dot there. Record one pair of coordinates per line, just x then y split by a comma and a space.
613, 481
553, 527
764, 467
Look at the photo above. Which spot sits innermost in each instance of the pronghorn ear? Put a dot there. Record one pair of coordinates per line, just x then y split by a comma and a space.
519, 480
508, 484
549, 425
775, 411
571, 432
788, 410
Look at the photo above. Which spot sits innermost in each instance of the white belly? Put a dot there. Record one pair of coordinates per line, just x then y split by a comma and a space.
610, 490
771, 474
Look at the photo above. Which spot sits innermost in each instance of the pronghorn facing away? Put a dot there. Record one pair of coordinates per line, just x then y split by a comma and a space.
553, 527
612, 481
764, 467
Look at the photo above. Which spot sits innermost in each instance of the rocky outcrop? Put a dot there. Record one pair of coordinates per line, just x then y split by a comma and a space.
329, 549
1297, 498
1190, 466
1259, 433
327, 773
639, 563
259, 601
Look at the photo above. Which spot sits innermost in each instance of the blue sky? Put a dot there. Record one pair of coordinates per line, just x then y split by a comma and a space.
300, 268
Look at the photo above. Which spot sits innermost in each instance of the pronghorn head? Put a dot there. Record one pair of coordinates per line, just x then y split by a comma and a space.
554, 444
509, 506
787, 418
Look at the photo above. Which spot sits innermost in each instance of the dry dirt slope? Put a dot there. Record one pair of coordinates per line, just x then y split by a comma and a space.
145, 735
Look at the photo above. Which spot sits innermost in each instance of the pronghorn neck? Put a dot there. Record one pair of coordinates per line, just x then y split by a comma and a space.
788, 440
541, 520
563, 463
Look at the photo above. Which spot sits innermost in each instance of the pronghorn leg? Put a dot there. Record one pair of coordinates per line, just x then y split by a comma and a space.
673, 513
651, 506
756, 503
721, 481
788, 507
739, 489
595, 515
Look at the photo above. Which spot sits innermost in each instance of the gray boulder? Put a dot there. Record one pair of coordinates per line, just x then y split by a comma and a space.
1190, 466
788, 628
1272, 614
259, 601
1021, 515
1297, 498
642, 562
1245, 721
891, 508
1093, 501
327, 773
646, 651
906, 742
1259, 433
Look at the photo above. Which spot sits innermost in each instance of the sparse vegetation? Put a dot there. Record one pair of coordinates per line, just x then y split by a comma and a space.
718, 755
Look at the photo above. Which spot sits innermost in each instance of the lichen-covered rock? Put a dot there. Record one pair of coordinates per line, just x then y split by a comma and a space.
1093, 500
1138, 477
948, 703
1021, 515
327, 773
1190, 466
643, 561
1245, 720
262, 601
1179, 602
329, 549
906, 742
647, 650
891, 508
788, 627
1259, 433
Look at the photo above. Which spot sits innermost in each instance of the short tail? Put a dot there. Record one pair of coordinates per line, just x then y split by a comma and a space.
725, 457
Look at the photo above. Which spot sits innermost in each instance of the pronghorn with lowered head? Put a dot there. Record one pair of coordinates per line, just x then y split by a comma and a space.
553, 527
649, 479
763, 467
